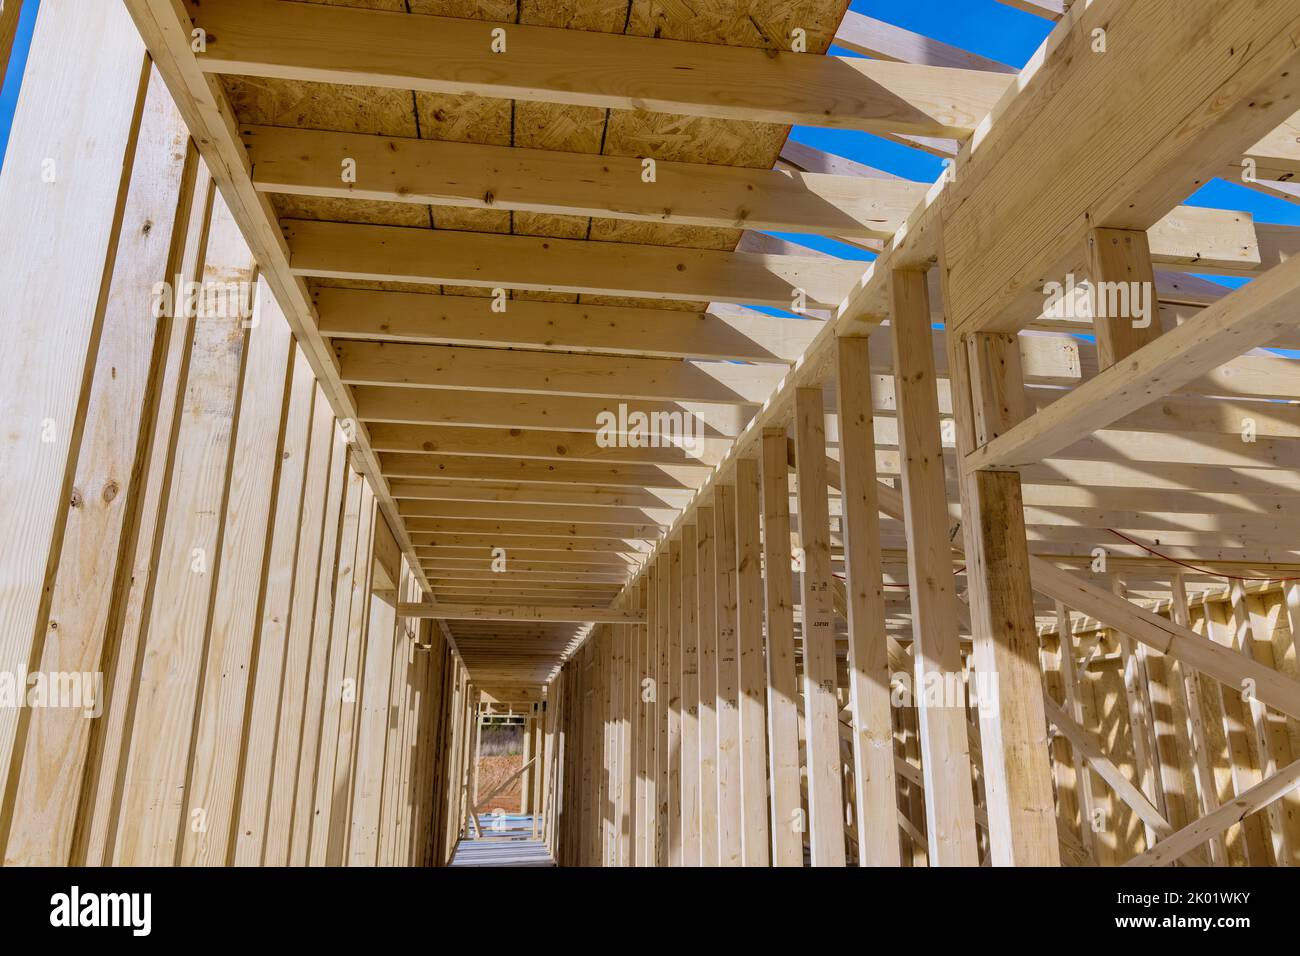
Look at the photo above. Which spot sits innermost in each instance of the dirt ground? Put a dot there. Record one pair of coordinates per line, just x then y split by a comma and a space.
492, 772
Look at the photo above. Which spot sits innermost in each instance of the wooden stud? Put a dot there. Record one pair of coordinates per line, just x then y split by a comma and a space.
730, 807
755, 847
945, 761
690, 698
787, 816
671, 757
820, 701
54, 325
707, 643
302, 630
188, 560
264, 426
52, 743
875, 788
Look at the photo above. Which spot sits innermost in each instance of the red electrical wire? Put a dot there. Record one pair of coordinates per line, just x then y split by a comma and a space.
1192, 567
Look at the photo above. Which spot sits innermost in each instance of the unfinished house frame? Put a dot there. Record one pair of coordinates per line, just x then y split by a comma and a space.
372, 366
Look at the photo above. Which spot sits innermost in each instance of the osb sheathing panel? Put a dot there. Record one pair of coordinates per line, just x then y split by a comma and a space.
477, 119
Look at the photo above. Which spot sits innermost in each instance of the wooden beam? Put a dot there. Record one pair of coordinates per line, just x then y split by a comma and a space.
1222, 663
590, 495
476, 468
460, 612
512, 511
1121, 258
545, 529
580, 68
304, 162
523, 542
334, 250
536, 443
1092, 752
1250, 316
537, 373
1213, 824
525, 412
1019, 207
723, 333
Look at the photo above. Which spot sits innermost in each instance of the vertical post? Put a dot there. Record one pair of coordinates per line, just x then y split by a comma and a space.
707, 624
672, 799
526, 778
936, 647
631, 729
875, 789
730, 812
539, 770
782, 682
690, 697
988, 399
821, 705
753, 684
1119, 266
645, 827
664, 684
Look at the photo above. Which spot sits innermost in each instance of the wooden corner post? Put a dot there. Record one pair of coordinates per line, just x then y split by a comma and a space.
988, 398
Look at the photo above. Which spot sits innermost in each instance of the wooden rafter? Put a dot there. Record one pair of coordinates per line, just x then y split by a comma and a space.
444, 55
